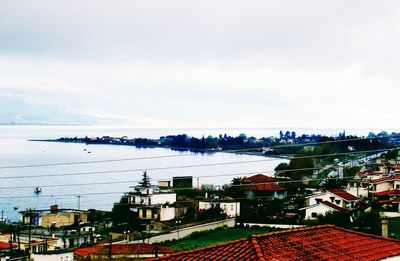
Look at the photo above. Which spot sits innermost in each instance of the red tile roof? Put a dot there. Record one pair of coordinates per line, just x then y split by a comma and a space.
343, 194
368, 173
395, 200
395, 167
264, 187
386, 192
385, 179
331, 205
117, 249
4, 245
259, 178
313, 243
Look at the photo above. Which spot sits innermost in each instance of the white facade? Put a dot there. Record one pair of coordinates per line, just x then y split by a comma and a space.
154, 205
152, 199
53, 257
330, 197
231, 209
318, 209
167, 213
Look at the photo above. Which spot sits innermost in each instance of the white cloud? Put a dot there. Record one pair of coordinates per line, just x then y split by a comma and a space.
218, 63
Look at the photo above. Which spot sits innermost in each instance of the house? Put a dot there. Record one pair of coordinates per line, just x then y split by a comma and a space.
325, 242
336, 196
54, 256
311, 212
54, 217
152, 203
121, 252
385, 183
394, 169
229, 206
261, 185
371, 175
43, 239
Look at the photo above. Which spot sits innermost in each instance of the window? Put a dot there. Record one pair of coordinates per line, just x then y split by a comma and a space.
338, 202
397, 186
232, 207
313, 214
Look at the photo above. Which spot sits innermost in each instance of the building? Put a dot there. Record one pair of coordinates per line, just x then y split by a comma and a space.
54, 217
261, 185
152, 203
54, 256
230, 207
325, 242
182, 182
311, 212
385, 183
121, 252
43, 240
336, 196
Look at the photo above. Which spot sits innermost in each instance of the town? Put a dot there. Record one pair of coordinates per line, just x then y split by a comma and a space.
330, 185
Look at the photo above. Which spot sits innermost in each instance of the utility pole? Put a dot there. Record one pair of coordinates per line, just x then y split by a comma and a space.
79, 202
19, 242
29, 233
110, 247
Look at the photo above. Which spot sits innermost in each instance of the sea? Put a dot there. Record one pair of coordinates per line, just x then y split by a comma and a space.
98, 185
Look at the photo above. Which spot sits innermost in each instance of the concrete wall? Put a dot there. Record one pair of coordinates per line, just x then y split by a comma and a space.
318, 209
62, 219
53, 257
167, 213
232, 209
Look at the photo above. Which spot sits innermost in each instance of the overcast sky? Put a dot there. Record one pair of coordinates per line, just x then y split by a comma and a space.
201, 63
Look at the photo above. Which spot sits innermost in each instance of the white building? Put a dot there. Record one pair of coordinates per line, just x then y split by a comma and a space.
311, 212
336, 196
69, 256
229, 207
152, 204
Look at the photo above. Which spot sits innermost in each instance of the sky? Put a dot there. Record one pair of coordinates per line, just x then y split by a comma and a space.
209, 63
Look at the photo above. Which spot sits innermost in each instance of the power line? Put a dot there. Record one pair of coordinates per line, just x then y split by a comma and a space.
130, 181
193, 166
190, 153
178, 189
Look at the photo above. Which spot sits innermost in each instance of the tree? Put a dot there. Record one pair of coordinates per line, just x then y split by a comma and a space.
145, 183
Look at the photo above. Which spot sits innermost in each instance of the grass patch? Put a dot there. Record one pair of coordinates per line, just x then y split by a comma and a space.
216, 236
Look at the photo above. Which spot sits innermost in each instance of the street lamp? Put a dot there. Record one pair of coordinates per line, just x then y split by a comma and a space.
178, 222
127, 234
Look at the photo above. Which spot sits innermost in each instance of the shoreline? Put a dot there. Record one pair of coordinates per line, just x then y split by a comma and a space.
183, 149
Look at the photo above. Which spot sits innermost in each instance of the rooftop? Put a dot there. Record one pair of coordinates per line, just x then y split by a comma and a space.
325, 242
118, 249
331, 205
342, 194
386, 192
258, 178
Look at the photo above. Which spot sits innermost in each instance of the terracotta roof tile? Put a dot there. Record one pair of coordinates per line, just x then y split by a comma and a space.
258, 178
4, 245
313, 243
386, 192
264, 187
329, 204
343, 194
122, 249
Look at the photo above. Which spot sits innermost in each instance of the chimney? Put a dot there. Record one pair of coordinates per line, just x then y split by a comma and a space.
54, 209
385, 228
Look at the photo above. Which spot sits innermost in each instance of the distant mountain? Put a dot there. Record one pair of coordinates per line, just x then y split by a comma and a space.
15, 110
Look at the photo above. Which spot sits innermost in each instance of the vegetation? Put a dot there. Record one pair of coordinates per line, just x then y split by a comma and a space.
216, 236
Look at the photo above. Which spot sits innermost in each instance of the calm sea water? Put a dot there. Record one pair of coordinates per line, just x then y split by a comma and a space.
17, 194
